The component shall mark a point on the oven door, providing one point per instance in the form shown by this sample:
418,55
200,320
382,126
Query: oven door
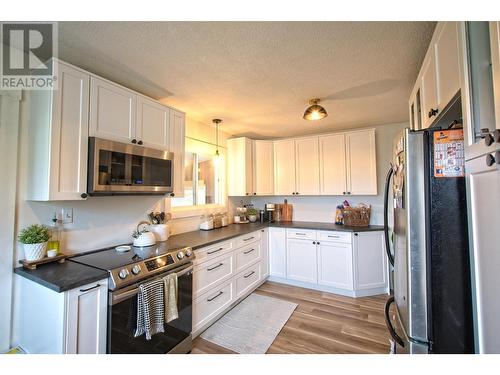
120,168
122,321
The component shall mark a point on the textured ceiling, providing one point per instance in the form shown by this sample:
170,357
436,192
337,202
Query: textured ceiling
259,76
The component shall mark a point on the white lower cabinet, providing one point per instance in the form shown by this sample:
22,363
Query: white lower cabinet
301,261
370,261
346,263
225,273
277,252
71,322
335,265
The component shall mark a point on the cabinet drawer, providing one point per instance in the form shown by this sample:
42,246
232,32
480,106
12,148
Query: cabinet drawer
247,279
210,304
206,253
247,255
246,239
303,234
345,237
208,274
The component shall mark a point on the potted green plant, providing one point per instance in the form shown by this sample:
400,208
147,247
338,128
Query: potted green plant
252,214
34,238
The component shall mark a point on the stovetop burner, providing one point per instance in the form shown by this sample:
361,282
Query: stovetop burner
138,263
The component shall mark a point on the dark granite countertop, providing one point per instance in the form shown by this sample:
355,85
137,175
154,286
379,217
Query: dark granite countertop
62,276
69,275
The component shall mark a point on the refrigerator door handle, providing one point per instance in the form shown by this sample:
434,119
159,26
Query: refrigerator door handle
386,216
389,325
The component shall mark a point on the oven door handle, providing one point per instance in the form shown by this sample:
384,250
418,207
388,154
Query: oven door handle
116,297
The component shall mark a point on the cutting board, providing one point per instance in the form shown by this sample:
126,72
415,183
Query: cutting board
286,211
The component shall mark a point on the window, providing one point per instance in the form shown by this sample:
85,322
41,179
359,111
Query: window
203,176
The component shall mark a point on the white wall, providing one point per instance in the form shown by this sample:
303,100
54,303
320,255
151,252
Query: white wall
322,209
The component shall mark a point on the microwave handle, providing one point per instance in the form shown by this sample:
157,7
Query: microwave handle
116,297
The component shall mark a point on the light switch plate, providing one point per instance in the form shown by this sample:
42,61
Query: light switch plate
67,215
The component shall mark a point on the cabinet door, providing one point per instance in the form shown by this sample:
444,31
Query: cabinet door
153,121
332,165
361,162
69,135
335,265
277,252
239,167
263,167
484,214
307,166
429,89
448,78
86,319
265,252
370,261
112,111
177,146
284,167
301,261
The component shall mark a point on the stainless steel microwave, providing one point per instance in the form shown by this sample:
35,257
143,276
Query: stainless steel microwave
117,168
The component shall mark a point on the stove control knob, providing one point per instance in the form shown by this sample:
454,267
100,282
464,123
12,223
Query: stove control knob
123,273
136,269
180,255
189,253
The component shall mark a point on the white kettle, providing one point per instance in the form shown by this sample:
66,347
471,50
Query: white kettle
143,237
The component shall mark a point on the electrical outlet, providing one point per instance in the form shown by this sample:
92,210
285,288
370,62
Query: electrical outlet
67,215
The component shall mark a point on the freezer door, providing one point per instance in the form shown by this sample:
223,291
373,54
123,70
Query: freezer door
410,273
483,192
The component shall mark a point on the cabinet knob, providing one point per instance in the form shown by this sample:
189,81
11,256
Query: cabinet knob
84,195
496,135
139,143
490,160
317,243
246,193
355,234
172,194
314,242
488,139
254,193
134,141
433,112
344,192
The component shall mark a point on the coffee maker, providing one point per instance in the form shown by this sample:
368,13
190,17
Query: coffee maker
269,212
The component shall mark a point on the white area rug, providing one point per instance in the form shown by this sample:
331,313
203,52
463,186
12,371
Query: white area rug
252,325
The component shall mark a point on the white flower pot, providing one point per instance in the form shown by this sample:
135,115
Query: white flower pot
35,251
252,218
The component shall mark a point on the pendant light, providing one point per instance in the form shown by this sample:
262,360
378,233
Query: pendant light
216,121
314,111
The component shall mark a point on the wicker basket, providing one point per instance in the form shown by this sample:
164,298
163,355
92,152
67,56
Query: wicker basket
357,216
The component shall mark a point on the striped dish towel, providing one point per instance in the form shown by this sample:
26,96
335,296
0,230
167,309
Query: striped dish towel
150,309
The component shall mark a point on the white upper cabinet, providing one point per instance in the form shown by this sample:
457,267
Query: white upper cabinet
178,146
59,138
239,167
361,162
263,167
153,120
307,166
284,167
429,89
448,76
112,111
332,159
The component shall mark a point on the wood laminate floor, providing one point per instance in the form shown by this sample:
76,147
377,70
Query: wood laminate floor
323,323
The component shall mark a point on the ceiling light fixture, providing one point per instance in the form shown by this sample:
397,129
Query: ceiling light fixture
216,121
314,111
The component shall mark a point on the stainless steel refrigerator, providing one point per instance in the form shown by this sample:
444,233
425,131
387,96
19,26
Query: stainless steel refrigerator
428,246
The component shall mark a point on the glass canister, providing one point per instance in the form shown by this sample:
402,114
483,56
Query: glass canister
56,229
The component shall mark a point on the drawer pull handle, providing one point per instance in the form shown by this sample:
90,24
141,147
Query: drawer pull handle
333,236
250,274
300,234
248,252
216,296
217,266
215,251
92,287
249,238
